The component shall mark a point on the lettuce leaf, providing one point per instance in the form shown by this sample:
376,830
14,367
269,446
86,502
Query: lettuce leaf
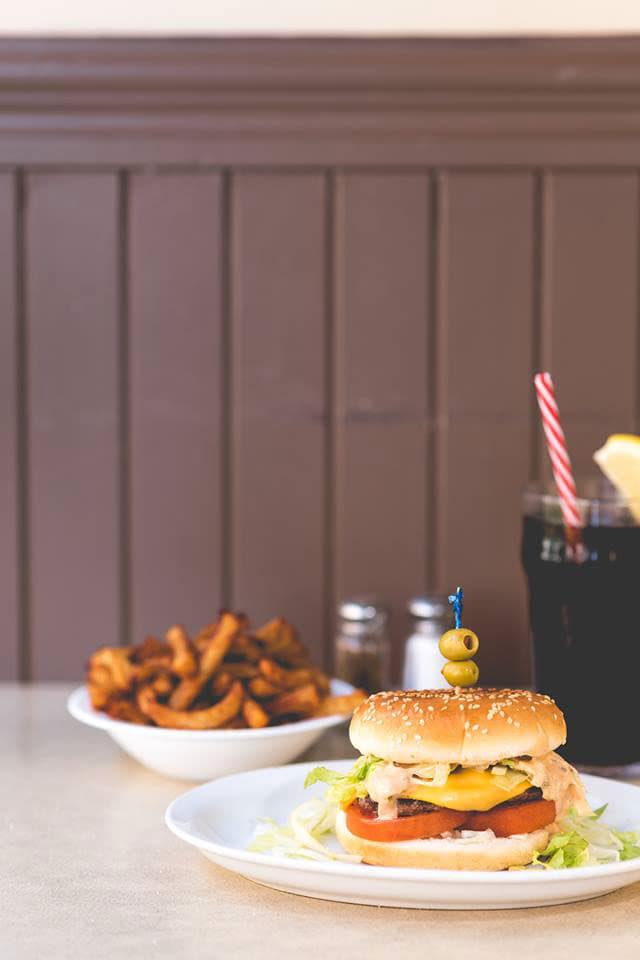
300,836
630,841
344,787
584,841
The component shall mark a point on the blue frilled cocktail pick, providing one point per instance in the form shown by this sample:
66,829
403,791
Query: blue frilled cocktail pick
456,600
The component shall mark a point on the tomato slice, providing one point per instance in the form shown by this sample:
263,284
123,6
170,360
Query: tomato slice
518,818
420,826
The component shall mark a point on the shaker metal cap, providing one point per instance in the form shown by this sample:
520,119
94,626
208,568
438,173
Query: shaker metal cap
428,607
362,609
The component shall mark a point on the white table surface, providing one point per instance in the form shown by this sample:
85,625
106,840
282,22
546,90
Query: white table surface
88,869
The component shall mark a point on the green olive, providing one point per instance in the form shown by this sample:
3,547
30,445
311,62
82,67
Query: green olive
461,674
459,644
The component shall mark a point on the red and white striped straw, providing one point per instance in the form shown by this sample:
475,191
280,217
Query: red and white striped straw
557,449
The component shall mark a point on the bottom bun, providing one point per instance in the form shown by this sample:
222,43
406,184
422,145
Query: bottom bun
481,852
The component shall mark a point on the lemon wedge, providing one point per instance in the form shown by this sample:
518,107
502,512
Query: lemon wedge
619,460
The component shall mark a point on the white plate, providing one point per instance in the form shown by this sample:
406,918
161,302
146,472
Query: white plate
219,819
205,754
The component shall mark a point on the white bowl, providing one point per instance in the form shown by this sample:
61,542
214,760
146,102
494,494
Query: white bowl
207,754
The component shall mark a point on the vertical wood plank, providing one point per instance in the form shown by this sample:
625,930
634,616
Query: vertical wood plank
72,309
589,335
382,388
176,393
9,552
485,365
279,403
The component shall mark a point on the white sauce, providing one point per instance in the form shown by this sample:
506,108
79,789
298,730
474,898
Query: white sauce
386,782
558,781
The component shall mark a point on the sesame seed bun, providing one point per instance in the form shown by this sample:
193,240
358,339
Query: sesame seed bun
471,727
481,853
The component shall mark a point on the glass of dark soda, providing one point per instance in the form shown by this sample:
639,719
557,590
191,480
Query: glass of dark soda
584,614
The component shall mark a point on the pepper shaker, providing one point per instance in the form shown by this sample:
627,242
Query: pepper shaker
362,645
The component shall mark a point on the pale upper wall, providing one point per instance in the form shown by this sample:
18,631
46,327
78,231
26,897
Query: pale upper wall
322,17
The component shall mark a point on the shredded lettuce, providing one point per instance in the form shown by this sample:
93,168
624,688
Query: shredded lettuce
507,778
300,836
584,841
344,787
434,774
310,821
512,764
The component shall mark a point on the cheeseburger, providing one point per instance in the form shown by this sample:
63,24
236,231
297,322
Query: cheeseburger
456,779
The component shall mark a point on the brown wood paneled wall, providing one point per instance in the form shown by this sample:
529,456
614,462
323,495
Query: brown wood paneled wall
269,312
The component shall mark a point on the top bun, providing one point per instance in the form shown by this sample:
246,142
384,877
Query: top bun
472,727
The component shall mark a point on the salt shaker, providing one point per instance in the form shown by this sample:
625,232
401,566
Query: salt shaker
362,643
430,616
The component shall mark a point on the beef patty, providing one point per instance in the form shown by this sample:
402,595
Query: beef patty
409,808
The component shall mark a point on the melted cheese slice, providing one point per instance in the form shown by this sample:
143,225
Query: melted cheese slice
467,790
